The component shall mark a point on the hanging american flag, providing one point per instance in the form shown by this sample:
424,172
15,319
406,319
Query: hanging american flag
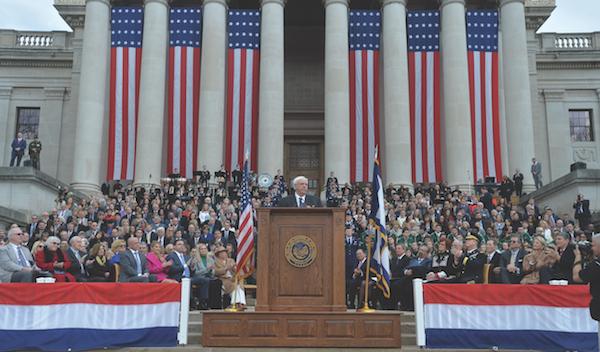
424,86
243,57
125,60
482,48
363,40
245,241
184,89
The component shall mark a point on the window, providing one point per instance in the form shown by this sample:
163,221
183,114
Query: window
28,121
580,122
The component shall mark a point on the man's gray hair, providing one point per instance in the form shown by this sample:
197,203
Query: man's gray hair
52,239
73,239
299,178
12,232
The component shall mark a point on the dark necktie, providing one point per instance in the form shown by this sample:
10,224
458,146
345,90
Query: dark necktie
301,201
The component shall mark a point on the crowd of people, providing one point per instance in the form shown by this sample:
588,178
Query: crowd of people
187,228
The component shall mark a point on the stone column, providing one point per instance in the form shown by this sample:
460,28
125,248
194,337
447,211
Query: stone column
456,130
337,90
270,121
559,141
395,94
211,134
517,95
50,130
89,134
153,73
8,135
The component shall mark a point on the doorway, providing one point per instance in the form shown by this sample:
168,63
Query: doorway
304,156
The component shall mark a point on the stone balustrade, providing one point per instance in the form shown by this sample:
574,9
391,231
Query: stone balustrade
570,41
12,39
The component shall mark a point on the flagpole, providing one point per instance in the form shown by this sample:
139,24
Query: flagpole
366,308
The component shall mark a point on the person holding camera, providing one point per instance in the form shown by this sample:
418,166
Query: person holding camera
588,271
582,211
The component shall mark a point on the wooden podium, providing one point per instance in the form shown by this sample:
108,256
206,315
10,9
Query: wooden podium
301,290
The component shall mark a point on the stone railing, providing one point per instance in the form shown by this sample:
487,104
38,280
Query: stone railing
32,40
570,41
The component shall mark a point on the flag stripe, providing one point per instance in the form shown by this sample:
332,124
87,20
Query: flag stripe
185,26
242,90
424,79
125,62
364,92
482,44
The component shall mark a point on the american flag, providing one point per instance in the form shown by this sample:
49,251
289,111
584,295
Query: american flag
185,25
243,57
245,241
125,59
424,86
482,47
364,33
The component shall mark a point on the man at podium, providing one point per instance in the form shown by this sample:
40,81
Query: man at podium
300,199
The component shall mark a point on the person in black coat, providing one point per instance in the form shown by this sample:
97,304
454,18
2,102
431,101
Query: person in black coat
494,259
518,180
511,265
18,146
486,199
582,212
470,266
75,255
397,267
351,245
563,269
300,199
359,274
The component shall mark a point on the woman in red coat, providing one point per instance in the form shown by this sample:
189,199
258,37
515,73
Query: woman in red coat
54,260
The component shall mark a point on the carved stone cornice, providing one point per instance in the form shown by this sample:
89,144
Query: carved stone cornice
37,64
567,65
54,93
5,92
554,94
75,21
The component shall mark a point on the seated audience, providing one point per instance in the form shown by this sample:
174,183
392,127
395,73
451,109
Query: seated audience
97,264
55,261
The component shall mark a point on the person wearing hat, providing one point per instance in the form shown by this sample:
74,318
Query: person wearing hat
470,265
225,270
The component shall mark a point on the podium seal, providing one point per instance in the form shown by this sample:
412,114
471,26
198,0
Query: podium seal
300,251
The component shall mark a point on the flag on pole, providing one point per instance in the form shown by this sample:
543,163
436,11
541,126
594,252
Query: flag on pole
125,63
245,241
185,26
482,48
381,254
363,42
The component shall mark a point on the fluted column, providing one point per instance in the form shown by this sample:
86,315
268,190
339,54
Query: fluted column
395,94
517,94
149,143
456,130
212,84
337,84
270,121
92,97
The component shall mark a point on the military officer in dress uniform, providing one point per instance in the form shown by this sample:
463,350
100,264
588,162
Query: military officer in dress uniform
35,148
351,245
470,265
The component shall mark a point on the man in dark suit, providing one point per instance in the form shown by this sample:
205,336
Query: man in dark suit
417,268
359,274
397,267
300,199
494,259
563,269
133,264
75,255
180,270
536,172
511,267
18,146
582,212
486,199
350,248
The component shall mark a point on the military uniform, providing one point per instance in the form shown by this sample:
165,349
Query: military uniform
35,148
471,267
